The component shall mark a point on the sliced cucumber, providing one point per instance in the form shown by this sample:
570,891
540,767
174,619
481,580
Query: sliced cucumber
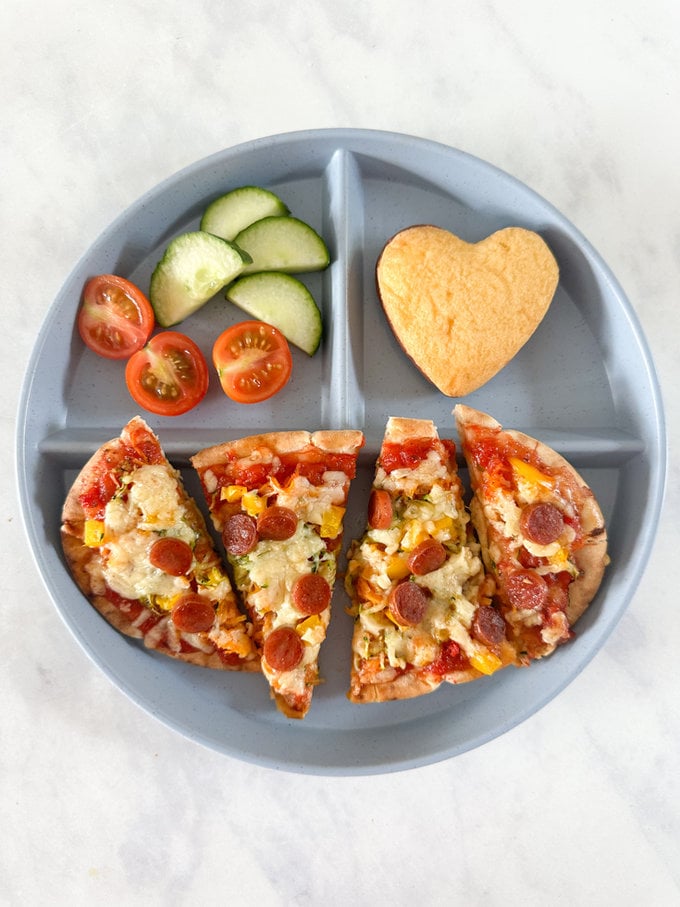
283,244
193,268
283,301
233,212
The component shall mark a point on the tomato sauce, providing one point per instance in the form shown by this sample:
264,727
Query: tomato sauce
491,454
97,495
132,610
406,455
121,460
488,448
451,658
311,466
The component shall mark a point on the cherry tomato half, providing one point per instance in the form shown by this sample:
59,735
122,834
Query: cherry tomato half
253,361
115,318
169,376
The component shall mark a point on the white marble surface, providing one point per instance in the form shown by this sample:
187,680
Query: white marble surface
103,805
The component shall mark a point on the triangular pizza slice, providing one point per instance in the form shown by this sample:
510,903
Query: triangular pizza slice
542,532
421,599
278,500
139,549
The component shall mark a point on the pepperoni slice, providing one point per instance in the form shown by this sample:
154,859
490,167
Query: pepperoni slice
172,556
426,557
283,649
311,593
193,614
380,509
239,534
541,523
526,589
408,603
488,626
277,523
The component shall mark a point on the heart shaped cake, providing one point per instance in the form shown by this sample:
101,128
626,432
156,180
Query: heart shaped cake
461,310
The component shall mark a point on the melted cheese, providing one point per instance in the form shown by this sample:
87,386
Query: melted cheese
128,571
148,508
452,587
266,575
405,481
503,514
274,566
447,586
311,502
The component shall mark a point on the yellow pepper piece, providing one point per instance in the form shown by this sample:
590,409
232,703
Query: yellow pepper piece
560,561
310,623
560,557
414,534
214,577
443,524
531,474
166,602
485,662
242,646
312,630
397,567
331,523
232,493
93,533
252,503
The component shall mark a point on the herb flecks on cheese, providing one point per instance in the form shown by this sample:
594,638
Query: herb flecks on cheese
266,575
268,572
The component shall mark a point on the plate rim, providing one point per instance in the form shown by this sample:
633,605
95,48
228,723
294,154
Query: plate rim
658,465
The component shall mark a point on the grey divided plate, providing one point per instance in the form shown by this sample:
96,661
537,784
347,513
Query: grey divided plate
584,383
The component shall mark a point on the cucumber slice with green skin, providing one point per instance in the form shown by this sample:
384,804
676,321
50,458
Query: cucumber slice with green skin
282,301
283,244
194,267
233,212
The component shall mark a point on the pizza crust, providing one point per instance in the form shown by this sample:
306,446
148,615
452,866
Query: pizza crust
404,686
279,443
292,707
400,430
72,516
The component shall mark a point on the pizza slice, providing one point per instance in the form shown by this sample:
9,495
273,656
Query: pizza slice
421,599
139,549
279,499
542,532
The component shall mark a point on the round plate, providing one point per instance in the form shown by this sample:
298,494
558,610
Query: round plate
584,384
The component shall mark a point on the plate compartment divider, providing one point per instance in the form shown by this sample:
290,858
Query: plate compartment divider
343,404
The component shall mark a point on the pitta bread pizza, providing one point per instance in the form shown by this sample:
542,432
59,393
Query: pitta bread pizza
278,500
139,549
421,599
542,532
